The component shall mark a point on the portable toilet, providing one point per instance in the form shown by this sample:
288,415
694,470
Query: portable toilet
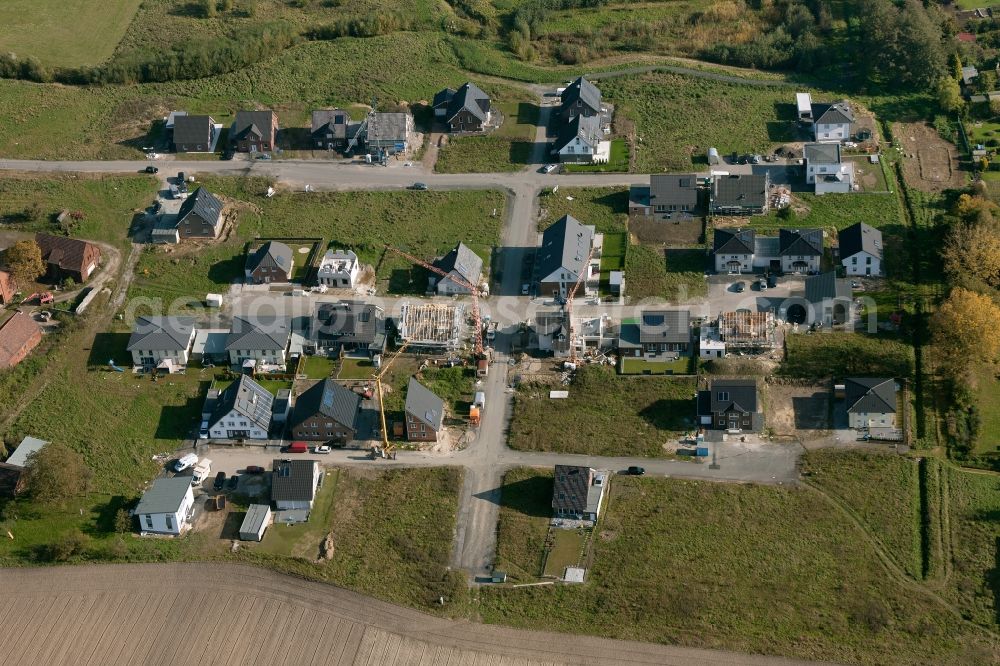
479,400
713,157
482,367
474,417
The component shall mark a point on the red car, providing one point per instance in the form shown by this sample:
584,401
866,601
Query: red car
297,447
254,469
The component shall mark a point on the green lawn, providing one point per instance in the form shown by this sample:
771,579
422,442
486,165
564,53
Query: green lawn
508,148
845,355
566,550
317,367
611,415
839,211
975,543
302,539
638,366
988,405
525,510
617,162
355,368
453,385
604,207
757,569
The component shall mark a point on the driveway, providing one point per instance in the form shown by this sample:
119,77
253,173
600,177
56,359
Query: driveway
722,297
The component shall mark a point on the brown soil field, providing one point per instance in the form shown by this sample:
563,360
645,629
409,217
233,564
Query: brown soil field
930,163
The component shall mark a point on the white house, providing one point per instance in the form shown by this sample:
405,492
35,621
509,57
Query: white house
338,269
870,402
734,250
563,257
294,483
461,265
161,341
263,339
791,251
242,411
800,250
861,250
579,139
826,170
166,507
833,122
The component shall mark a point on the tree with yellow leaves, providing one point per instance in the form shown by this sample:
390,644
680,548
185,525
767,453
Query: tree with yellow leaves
964,331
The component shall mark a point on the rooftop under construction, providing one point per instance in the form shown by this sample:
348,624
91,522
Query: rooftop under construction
431,325
747,330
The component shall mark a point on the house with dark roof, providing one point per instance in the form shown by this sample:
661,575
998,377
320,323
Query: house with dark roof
870,402
552,331
580,98
7,287
294,484
329,128
739,194
467,109
326,412
350,327
730,404
271,262
161,342
68,257
579,139
241,411
833,122
578,492
656,335
563,257
424,413
388,133
461,265
193,134
669,196
829,299
860,247
261,339
800,250
200,216
734,250
826,170
18,336
590,333
166,507
254,131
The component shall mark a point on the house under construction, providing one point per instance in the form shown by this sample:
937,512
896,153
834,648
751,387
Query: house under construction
747,331
431,326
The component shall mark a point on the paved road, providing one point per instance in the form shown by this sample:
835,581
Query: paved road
213,613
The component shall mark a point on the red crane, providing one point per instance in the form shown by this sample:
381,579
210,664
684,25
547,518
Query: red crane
473,289
584,273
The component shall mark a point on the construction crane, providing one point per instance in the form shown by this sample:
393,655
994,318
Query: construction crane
569,303
388,450
473,289
369,121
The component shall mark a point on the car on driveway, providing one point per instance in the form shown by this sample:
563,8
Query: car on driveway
322,449
739,287
220,481
152,169
419,186
549,168
772,281
254,469
762,284
525,289
635,470
234,481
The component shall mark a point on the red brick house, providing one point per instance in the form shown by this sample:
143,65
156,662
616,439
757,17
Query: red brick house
7,287
424,413
18,336
68,257
255,131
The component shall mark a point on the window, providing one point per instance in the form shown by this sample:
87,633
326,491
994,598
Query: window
149,522
723,396
722,421
170,522
854,260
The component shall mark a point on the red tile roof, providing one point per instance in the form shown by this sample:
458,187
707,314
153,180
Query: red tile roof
18,336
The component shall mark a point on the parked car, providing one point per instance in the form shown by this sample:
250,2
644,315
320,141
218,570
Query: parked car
635,470
739,287
265,156
297,447
234,481
254,469
203,430
549,168
525,289
419,186
185,461
772,281
762,284
152,169
755,159
220,481
322,449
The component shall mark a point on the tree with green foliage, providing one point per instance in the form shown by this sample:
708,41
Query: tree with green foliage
921,46
24,259
56,473
949,94
208,8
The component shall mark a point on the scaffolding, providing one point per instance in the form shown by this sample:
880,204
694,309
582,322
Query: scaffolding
747,330
431,325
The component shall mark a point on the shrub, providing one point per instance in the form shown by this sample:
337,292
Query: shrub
68,545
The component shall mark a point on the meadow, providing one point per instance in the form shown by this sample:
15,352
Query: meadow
845,355
508,148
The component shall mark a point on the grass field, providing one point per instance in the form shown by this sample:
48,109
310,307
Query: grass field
604,207
988,402
975,543
567,547
846,355
508,148
834,212
617,161
636,366
752,568
525,509
611,415
317,367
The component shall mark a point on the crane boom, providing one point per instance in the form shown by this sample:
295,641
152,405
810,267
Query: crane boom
569,302
387,448
473,290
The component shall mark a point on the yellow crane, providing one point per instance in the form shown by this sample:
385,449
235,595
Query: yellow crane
388,450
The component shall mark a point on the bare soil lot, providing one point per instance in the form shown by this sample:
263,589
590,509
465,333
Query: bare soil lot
930,163
799,411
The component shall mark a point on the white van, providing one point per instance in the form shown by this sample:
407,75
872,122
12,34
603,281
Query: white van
185,461
201,471
480,400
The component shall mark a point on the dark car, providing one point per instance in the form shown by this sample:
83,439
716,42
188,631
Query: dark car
739,287
234,481
772,281
635,470
152,169
254,469
419,186
220,481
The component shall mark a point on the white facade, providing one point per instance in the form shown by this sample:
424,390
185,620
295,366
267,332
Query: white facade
800,264
710,345
285,505
579,149
338,269
862,420
448,287
862,263
236,426
803,102
262,356
150,358
826,132
734,263
169,523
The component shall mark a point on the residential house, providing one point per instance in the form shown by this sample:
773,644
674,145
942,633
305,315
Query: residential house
861,249
464,110
826,170
326,412
656,335
829,299
746,331
579,140
193,134
870,402
563,257
18,336
552,331
730,404
255,523
596,333
580,98
209,346
739,194
460,266
294,483
389,133
7,288
578,492
167,506
259,340
670,196
271,262
424,413
200,216
833,122
241,411
254,131
329,128
281,407
28,446
161,342
68,257
338,269
348,327
169,122
734,250
800,250
12,477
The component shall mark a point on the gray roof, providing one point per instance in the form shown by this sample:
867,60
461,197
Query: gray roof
582,90
328,398
424,405
263,332
869,395
587,128
738,395
161,333
253,122
164,496
860,237
821,153
442,97
968,74
193,129
271,253
572,489
254,520
248,398
388,127
470,98
673,188
800,242
202,204
463,261
664,326
743,191
334,121
826,286
27,446
348,322
292,480
565,245
832,114
740,241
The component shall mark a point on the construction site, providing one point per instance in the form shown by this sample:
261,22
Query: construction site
747,332
431,327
